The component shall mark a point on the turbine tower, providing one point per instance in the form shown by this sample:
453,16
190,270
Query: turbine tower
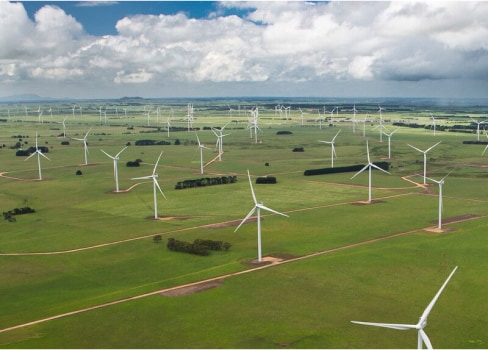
425,158
257,207
422,337
201,147
369,166
440,183
389,141
154,177
116,173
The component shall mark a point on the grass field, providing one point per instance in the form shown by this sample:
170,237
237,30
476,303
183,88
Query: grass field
341,259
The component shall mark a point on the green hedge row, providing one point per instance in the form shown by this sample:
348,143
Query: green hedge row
9,215
344,169
206,181
266,180
198,247
151,143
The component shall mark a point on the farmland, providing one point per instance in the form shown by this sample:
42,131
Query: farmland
336,257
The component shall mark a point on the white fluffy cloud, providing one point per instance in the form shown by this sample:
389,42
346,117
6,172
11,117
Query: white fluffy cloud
275,42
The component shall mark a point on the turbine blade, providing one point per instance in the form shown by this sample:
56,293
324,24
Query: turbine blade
415,148
252,190
271,210
434,300
32,155
486,147
108,155
159,188
399,326
428,149
42,154
156,165
377,167
142,178
360,171
118,154
247,217
367,151
447,175
428,178
425,339
336,135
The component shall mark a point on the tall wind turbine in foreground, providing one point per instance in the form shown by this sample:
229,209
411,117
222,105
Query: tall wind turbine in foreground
154,178
257,207
116,173
333,153
422,336
425,158
369,166
440,183
39,154
85,145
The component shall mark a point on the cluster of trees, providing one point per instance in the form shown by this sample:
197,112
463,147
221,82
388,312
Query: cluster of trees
475,142
266,180
469,129
135,163
206,181
152,143
9,215
30,150
198,247
298,149
344,169
284,133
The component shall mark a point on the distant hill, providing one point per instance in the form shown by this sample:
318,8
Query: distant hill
24,98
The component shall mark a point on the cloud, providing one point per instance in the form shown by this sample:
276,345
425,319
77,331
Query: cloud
278,41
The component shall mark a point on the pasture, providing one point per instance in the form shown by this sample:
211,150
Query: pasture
335,258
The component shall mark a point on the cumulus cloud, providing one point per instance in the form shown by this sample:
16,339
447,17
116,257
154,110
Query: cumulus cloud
271,41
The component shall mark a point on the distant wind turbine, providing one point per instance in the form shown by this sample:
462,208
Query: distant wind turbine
369,166
440,183
85,145
333,152
389,141
116,173
425,158
154,177
39,154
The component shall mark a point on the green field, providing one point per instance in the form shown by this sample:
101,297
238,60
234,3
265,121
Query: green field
342,259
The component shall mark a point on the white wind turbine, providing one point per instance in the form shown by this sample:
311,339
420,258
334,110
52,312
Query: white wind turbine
64,127
433,123
425,158
333,152
154,178
220,136
201,147
168,124
320,119
257,207
440,183
85,145
116,173
39,154
389,141
302,115
478,127
354,111
422,337
73,110
369,166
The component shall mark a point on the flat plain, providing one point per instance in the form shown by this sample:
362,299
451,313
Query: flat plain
84,271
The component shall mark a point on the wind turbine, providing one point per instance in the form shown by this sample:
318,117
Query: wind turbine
434,124
478,127
389,141
85,145
369,166
440,183
354,111
333,152
425,158
422,336
257,207
154,178
220,136
302,115
486,147
116,173
39,154
201,147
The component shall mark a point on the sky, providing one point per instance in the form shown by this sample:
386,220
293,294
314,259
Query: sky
157,49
